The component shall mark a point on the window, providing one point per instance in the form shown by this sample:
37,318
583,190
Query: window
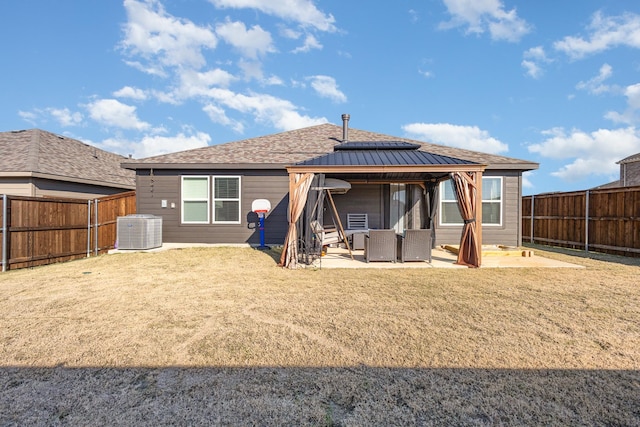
195,199
226,199
491,203
492,200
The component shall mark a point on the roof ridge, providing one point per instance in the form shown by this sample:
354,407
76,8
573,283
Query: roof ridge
33,161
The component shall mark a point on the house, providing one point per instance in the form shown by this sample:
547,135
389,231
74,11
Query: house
38,163
629,173
204,195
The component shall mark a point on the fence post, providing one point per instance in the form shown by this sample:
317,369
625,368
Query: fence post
88,228
5,233
586,223
532,199
95,231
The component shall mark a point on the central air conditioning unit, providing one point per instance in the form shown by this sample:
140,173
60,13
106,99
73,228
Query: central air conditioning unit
139,231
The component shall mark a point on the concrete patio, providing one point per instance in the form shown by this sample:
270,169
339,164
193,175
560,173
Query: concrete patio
441,258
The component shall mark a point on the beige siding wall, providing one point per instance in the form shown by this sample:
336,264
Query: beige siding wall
165,185
16,187
36,187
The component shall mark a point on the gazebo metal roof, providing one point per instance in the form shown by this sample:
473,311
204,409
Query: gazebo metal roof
392,156
393,160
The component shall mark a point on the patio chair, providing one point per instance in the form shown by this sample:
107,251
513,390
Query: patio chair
357,221
326,237
415,245
357,227
380,245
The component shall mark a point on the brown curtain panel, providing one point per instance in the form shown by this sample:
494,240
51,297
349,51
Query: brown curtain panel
464,185
299,185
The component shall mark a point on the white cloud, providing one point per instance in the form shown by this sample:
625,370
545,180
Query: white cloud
468,137
427,74
304,12
251,43
486,15
595,85
526,179
163,39
280,113
631,115
326,87
533,69
536,53
218,115
197,84
605,32
154,145
413,16
273,81
533,57
28,116
251,70
131,92
65,116
112,112
310,42
152,70
290,33
594,153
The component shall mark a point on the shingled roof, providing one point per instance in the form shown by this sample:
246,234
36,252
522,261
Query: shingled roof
288,148
39,153
630,159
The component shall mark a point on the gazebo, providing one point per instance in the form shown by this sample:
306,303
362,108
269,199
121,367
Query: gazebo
389,162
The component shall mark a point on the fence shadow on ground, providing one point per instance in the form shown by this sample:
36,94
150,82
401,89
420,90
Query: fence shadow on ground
581,253
358,395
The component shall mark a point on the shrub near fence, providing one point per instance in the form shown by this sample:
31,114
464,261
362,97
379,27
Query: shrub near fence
38,231
606,220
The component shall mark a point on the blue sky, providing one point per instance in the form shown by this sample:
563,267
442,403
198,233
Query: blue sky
555,82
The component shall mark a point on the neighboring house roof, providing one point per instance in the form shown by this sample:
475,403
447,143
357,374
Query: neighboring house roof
608,185
288,148
630,159
42,154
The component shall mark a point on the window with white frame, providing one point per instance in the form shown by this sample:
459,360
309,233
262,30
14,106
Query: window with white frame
491,202
195,199
226,199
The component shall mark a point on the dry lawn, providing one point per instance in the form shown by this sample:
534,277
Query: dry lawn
223,336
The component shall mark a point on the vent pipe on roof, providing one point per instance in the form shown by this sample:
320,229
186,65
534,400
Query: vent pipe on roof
345,127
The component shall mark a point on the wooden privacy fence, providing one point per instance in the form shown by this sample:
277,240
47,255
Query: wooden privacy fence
606,220
37,231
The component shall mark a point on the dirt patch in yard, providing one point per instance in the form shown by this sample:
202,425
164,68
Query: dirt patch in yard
224,336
